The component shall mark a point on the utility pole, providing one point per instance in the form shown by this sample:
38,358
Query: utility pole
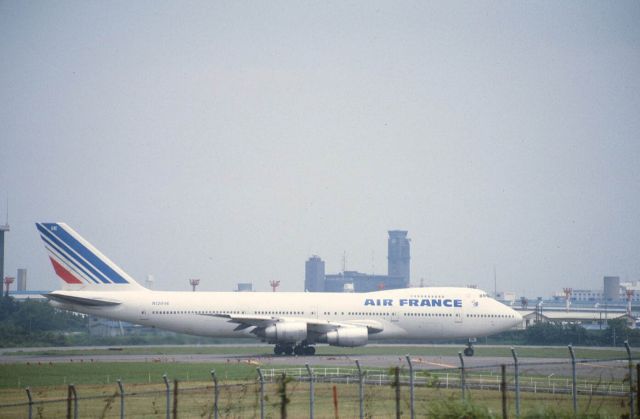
3,229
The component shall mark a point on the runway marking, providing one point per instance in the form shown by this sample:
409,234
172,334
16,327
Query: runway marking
420,361
601,366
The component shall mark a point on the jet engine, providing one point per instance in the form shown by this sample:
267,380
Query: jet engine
284,332
348,336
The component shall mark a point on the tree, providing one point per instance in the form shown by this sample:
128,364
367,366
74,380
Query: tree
36,322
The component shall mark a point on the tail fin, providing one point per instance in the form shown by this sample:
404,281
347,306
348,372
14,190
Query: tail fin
79,264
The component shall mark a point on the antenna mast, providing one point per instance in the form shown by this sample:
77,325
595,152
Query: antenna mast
8,280
194,283
495,282
3,229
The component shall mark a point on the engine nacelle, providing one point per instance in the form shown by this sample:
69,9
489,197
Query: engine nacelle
348,336
287,332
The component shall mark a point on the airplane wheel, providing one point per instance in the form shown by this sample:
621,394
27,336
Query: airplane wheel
288,350
468,351
299,350
278,350
309,350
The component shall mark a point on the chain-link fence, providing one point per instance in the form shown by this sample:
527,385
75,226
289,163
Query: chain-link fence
587,387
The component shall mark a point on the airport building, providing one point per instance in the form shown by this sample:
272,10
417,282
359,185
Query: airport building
589,319
353,281
398,271
314,276
22,279
613,292
244,287
28,295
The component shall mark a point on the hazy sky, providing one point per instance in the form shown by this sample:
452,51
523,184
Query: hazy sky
229,141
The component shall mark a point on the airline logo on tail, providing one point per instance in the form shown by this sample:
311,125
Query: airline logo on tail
75,260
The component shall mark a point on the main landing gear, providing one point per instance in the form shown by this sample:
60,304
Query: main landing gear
468,351
288,349
283,349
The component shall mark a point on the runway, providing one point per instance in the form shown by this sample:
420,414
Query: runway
537,366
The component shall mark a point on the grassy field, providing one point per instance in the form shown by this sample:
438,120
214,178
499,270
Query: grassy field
98,392
57,374
399,350
195,399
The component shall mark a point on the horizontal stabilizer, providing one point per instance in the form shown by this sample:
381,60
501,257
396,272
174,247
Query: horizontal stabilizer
82,301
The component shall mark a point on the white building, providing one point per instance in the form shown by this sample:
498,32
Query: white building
594,296
589,319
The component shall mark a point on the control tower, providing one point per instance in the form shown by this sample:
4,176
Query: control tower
314,276
399,255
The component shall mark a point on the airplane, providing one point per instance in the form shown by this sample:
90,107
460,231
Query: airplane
293,321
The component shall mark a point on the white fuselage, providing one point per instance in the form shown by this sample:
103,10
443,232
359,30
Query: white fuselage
411,313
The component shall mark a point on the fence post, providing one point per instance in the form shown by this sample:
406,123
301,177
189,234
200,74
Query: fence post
503,389
517,374
626,345
573,383
261,378
462,383
69,402
72,394
283,396
121,398
175,398
311,391
215,394
411,383
28,390
168,395
396,382
638,386
361,388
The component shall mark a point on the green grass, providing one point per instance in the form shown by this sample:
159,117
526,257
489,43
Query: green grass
96,382
96,385
151,350
57,374
195,400
397,350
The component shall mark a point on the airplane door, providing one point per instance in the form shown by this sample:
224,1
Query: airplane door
144,311
458,317
144,314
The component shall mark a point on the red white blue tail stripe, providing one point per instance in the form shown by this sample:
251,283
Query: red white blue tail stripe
76,261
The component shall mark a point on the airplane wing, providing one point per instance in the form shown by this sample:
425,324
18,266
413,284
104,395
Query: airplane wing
314,325
244,322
